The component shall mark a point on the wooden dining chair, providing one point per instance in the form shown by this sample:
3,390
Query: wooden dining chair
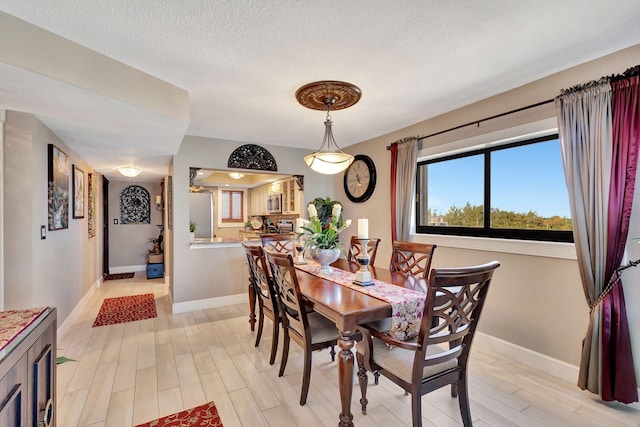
279,242
266,295
355,249
411,259
440,354
311,331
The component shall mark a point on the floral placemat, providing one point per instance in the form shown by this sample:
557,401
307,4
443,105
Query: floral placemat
12,322
407,306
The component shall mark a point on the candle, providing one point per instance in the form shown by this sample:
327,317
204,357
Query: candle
363,228
299,223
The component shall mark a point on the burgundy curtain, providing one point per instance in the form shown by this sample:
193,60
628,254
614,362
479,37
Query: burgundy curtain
618,371
394,177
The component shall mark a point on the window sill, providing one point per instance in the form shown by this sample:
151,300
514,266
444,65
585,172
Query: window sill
520,247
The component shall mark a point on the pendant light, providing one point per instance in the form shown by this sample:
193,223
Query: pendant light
329,158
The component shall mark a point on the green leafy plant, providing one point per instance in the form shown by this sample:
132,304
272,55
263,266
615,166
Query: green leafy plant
63,359
324,234
192,227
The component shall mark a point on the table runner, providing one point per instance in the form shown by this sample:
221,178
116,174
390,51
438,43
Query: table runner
407,306
12,322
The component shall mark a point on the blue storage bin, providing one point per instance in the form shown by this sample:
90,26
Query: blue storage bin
155,271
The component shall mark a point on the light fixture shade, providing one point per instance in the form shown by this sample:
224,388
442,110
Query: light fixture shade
236,175
129,171
328,163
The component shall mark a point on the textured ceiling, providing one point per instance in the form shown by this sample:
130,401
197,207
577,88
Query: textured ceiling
242,61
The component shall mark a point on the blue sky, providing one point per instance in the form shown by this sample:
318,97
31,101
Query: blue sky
523,179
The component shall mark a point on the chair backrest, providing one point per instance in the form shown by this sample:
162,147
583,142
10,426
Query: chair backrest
355,249
262,282
454,301
286,282
283,243
411,259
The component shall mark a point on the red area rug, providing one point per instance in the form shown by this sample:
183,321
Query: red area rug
126,309
201,416
119,276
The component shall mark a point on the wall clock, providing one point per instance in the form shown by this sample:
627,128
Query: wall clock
360,179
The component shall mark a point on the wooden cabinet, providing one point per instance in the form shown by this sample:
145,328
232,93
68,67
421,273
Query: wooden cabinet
290,197
258,201
27,375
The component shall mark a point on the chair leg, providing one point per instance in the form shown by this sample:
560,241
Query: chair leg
362,378
376,375
463,401
285,353
260,326
274,342
306,376
333,353
454,390
416,408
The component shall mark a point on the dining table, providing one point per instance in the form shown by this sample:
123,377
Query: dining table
347,308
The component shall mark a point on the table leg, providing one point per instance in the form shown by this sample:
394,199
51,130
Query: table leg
345,379
252,306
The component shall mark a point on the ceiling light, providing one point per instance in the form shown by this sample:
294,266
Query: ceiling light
236,175
129,171
327,95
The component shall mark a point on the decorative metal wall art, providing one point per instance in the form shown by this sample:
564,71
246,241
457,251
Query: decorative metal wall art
135,205
251,156
58,202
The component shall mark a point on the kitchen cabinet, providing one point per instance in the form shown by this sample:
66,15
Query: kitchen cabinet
27,375
290,197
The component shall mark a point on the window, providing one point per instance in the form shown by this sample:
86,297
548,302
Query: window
231,206
514,191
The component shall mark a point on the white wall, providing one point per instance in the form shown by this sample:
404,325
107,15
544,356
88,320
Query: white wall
187,280
59,270
536,300
129,243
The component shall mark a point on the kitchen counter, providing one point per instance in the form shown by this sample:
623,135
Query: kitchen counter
219,242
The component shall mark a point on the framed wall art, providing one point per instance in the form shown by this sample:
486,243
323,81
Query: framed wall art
91,205
77,178
58,188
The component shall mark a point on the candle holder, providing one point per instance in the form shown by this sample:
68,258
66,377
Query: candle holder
299,259
363,276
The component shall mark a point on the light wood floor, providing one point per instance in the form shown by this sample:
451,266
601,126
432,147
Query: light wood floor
135,372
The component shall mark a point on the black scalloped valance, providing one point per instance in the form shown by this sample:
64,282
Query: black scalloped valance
251,156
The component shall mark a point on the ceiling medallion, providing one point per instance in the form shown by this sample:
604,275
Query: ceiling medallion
328,95
314,95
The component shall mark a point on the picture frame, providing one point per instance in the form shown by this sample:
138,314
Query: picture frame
58,188
77,179
91,205
274,203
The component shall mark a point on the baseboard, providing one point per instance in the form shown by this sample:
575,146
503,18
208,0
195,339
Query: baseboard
554,367
79,308
182,307
127,269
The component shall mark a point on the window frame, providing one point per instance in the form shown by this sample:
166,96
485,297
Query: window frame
231,220
486,231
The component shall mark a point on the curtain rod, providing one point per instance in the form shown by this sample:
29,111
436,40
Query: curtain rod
517,110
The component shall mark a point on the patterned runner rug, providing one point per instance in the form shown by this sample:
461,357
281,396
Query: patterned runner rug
201,416
126,309
119,276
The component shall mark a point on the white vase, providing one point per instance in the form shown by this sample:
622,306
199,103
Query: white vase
325,257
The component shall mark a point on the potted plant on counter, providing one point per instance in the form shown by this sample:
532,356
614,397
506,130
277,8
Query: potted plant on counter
192,231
